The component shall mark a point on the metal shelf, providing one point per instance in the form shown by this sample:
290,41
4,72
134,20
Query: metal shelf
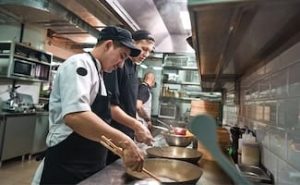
178,98
183,83
179,68
31,59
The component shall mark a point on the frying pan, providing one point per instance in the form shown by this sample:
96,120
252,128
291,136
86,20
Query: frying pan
169,171
179,153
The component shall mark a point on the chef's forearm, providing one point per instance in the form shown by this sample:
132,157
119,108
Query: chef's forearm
142,113
121,117
89,125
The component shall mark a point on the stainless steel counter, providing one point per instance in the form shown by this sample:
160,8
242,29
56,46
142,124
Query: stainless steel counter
3,114
114,174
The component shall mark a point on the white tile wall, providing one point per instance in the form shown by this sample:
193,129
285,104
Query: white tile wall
270,103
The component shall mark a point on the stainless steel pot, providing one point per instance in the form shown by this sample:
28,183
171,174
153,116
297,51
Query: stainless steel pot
179,153
170,171
177,140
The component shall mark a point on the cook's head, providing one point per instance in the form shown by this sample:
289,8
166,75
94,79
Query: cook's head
117,45
145,41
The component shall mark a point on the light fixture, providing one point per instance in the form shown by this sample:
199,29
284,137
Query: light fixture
157,68
144,66
185,20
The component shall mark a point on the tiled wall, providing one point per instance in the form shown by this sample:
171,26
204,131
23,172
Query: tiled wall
270,104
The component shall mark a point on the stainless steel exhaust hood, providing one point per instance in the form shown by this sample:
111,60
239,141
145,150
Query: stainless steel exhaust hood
162,19
76,20
234,37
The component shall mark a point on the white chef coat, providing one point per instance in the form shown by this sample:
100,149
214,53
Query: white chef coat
71,93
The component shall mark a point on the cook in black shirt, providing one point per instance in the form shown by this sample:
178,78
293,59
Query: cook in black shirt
123,84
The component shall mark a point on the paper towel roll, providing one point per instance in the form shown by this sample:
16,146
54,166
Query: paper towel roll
250,154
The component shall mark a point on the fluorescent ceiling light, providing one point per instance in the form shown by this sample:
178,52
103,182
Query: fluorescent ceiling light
185,20
144,66
157,68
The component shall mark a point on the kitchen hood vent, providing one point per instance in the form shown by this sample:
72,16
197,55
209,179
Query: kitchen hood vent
77,20
234,37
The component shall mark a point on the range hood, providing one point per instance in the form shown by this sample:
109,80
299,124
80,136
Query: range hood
162,19
234,37
78,21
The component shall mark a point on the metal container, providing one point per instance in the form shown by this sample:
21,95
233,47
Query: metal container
177,140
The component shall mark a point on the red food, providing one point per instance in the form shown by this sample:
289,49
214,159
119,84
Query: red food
179,131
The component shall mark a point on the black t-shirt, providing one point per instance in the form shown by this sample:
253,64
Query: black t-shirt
143,93
123,85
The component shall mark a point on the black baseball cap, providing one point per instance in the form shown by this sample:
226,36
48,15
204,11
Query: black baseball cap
121,35
141,35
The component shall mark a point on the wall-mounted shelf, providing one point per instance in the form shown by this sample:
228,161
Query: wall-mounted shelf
179,68
22,62
188,99
181,83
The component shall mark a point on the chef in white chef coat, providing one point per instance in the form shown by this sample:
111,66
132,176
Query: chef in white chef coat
79,113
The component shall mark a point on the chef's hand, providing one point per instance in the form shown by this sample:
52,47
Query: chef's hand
142,134
149,125
132,156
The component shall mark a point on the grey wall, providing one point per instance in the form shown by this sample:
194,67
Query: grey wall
270,104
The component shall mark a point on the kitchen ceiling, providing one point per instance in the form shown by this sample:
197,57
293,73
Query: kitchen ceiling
80,21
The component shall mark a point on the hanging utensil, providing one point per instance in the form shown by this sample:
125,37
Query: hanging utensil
119,151
204,128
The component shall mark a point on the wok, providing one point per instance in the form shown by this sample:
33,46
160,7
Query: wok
169,171
179,153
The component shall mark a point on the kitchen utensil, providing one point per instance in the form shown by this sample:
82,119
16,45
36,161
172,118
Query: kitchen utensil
170,171
179,153
119,151
204,128
165,124
175,130
177,140
160,128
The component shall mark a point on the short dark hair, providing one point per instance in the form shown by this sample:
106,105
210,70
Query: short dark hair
142,35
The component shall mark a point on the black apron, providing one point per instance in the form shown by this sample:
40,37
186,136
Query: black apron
76,158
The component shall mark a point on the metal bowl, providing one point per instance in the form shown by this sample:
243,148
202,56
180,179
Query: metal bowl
177,140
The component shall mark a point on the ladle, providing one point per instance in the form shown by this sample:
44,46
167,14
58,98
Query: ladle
204,128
